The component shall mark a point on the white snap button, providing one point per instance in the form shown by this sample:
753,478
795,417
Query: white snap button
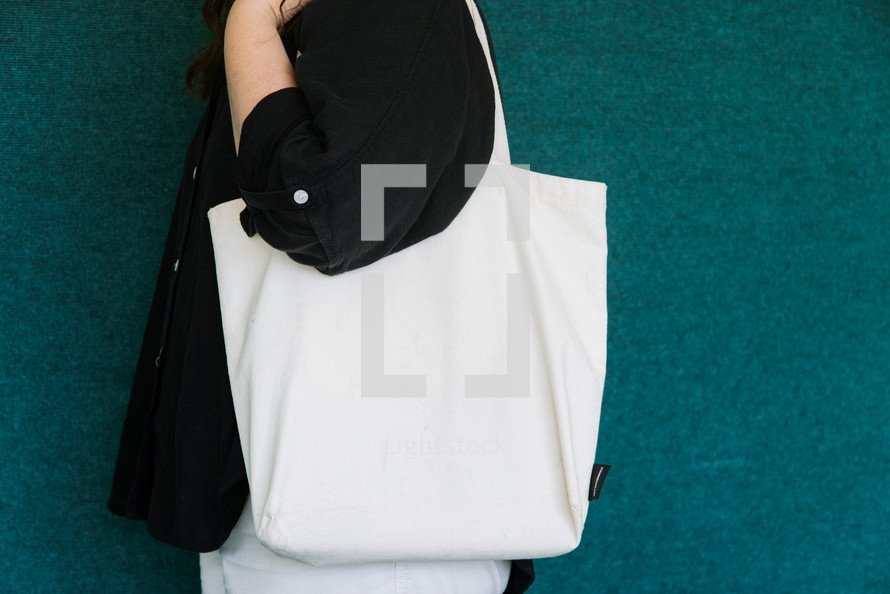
301,196
176,265
195,172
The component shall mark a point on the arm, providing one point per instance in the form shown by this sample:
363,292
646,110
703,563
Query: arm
380,82
256,63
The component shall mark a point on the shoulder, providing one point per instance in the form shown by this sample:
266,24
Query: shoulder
379,67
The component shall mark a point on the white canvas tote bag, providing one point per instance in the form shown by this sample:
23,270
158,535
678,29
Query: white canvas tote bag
440,404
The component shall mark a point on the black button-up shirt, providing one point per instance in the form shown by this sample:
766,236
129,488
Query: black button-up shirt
379,82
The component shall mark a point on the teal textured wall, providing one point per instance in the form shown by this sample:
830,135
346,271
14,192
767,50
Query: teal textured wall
746,146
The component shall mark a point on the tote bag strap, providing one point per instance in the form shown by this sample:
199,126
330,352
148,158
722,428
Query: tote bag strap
501,151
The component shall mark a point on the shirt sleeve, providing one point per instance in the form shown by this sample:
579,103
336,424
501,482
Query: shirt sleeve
380,82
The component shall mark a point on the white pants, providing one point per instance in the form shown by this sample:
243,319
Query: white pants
244,565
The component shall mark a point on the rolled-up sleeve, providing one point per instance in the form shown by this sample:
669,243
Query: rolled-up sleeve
380,82
280,219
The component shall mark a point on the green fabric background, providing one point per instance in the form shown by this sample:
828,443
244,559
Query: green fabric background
746,146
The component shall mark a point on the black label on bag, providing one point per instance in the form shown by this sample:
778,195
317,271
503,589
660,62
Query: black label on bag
596,481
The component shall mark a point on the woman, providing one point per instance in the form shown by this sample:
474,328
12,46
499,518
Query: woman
303,97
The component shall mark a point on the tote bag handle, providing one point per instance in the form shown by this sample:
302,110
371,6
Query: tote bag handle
501,151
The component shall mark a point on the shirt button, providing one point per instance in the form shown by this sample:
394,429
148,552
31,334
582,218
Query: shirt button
301,196
195,172
176,265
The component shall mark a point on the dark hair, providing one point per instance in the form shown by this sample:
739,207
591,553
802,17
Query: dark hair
199,77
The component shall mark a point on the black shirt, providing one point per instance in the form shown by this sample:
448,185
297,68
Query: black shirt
409,85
